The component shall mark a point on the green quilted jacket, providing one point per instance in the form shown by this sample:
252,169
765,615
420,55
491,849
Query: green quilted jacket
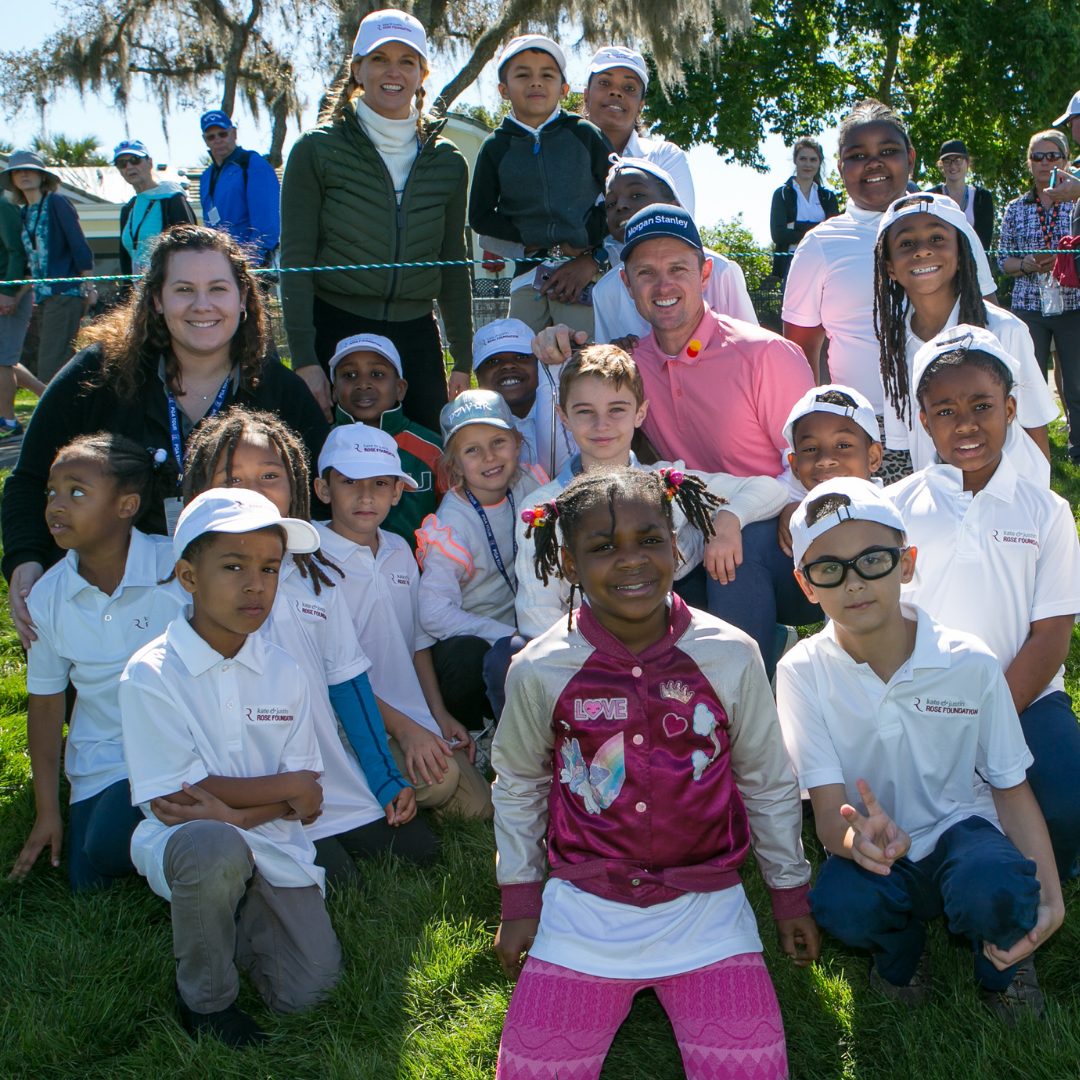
338,207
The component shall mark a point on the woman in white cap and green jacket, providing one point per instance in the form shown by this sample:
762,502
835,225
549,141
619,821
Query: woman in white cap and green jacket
614,97
376,182
55,248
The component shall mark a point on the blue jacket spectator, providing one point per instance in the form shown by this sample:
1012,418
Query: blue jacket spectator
240,192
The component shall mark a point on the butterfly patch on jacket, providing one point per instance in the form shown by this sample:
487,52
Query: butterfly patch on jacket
599,783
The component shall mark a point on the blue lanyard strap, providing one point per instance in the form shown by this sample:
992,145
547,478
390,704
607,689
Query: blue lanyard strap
174,420
495,553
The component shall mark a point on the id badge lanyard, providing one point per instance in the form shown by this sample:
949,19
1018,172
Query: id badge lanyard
495,553
174,420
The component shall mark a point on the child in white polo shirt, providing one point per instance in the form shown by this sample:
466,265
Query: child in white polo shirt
223,760
361,478
905,735
503,361
91,611
998,556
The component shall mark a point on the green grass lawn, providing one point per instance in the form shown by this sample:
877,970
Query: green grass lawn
88,990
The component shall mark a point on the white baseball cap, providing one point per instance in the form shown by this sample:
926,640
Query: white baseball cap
1071,111
941,206
810,402
474,407
238,510
619,164
532,41
501,336
387,25
375,343
613,56
962,336
864,501
360,452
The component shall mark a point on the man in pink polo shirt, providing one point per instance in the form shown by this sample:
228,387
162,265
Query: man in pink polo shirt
719,393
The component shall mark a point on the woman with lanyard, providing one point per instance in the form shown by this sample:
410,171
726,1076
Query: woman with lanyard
1031,229
799,203
157,205
191,340
376,182
55,248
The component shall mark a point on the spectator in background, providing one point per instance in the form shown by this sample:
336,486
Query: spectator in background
378,181
1071,116
954,161
799,203
15,306
55,247
240,193
614,97
1032,222
156,205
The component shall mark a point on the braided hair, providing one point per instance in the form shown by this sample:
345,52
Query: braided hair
213,443
890,309
611,486
143,471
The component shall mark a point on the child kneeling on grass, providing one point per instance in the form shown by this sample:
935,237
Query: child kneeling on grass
642,744
885,700
223,760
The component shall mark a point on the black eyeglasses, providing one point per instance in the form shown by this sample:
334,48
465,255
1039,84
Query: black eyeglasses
873,563
1047,155
124,162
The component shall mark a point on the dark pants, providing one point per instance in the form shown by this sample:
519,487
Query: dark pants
1064,331
417,340
975,877
99,837
472,675
414,842
763,593
1053,737
693,589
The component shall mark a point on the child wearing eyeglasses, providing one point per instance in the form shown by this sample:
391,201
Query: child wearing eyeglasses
905,734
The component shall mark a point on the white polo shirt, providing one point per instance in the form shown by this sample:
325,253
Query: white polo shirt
87,637
992,563
616,316
1035,404
188,713
382,593
930,741
317,632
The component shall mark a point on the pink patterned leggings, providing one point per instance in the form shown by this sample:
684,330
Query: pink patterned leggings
727,1022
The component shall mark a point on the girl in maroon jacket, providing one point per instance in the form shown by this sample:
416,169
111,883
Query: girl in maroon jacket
638,753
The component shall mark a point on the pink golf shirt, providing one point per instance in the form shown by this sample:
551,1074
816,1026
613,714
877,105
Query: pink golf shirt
720,405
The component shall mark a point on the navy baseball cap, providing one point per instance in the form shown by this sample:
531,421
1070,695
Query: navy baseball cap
215,118
130,148
660,219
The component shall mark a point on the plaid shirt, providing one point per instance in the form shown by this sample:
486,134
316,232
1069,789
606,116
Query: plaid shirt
1021,230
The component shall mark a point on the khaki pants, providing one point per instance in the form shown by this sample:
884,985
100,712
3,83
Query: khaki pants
538,311
462,791
226,915
60,318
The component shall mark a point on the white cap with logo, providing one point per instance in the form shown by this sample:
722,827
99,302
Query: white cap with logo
474,407
532,41
1071,111
238,510
381,27
968,338
375,343
360,452
501,336
614,56
857,500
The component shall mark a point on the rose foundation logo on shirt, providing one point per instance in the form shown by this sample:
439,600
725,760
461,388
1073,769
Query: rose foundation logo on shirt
269,714
309,609
586,709
945,706
1014,536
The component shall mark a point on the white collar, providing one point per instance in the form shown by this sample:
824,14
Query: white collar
140,567
928,652
197,655
864,217
535,130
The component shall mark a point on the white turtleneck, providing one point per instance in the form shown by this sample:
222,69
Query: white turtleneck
396,141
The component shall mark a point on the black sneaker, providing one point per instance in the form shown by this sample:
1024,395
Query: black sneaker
911,994
232,1026
10,428
1021,998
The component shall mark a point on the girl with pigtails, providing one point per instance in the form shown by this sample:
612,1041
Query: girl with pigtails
376,182
638,757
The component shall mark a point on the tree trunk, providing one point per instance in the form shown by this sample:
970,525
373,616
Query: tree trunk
279,112
888,70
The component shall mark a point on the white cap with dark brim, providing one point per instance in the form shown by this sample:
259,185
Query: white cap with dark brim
861,501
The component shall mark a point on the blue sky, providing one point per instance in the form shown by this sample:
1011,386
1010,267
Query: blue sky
721,190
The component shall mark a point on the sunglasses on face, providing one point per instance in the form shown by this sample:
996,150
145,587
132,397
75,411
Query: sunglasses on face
1047,155
124,162
213,137
873,563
